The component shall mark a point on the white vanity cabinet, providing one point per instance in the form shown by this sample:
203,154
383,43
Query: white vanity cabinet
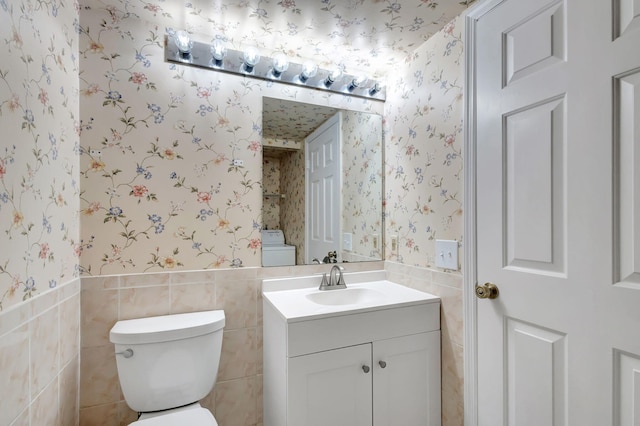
362,367
389,382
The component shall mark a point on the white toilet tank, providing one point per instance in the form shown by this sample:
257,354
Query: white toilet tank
175,358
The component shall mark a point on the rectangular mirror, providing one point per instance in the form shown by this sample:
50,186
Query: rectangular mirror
322,184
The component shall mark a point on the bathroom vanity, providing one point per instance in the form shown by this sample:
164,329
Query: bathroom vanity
365,355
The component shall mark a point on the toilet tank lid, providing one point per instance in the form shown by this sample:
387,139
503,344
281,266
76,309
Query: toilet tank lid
166,328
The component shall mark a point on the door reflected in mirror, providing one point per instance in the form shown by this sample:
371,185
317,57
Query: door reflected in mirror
312,216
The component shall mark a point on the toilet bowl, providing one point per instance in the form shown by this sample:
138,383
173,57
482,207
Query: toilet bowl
166,364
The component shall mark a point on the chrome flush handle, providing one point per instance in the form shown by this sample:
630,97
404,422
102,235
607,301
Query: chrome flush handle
127,353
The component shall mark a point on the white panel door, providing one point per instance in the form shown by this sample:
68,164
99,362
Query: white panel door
331,388
323,190
554,116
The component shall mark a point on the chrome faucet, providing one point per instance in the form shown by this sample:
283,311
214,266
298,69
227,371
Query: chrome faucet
336,279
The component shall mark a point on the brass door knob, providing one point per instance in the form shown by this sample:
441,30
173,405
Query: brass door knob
487,291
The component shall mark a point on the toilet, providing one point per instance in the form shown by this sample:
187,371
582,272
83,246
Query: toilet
166,364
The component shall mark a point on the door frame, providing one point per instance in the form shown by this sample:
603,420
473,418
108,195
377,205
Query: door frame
470,315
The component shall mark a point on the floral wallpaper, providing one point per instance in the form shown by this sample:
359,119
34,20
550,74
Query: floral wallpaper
293,203
371,36
159,189
155,187
423,158
39,118
271,190
362,171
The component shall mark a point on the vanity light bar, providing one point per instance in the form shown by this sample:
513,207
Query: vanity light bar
234,62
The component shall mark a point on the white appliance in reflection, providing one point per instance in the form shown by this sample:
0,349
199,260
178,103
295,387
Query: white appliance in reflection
274,251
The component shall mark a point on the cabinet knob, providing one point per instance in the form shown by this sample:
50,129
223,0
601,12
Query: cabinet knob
382,364
365,368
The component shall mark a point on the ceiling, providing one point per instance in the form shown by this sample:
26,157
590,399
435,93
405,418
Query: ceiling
293,121
369,36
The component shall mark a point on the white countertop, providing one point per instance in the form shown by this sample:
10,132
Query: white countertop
293,297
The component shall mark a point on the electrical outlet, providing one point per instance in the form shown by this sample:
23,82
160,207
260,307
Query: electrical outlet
236,162
375,241
394,243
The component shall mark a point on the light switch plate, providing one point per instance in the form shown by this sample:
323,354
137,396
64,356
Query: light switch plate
347,241
447,254
394,244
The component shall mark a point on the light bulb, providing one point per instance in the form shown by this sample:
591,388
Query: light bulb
280,64
218,51
357,81
333,76
309,69
251,57
183,42
375,88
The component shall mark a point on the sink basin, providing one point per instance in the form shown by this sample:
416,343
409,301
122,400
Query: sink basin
346,296
298,298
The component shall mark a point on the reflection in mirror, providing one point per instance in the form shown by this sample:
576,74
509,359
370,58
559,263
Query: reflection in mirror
286,125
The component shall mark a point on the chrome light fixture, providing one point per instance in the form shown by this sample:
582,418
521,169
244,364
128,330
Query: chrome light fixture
218,52
251,57
183,43
309,69
280,64
217,56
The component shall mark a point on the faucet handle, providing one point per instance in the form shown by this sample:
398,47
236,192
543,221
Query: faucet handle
324,283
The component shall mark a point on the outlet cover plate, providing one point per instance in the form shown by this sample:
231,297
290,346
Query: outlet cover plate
447,254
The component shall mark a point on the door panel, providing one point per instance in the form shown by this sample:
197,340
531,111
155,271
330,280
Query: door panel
534,193
626,16
537,375
627,179
534,43
627,388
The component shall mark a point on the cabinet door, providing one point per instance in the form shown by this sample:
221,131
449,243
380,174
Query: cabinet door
406,381
331,388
